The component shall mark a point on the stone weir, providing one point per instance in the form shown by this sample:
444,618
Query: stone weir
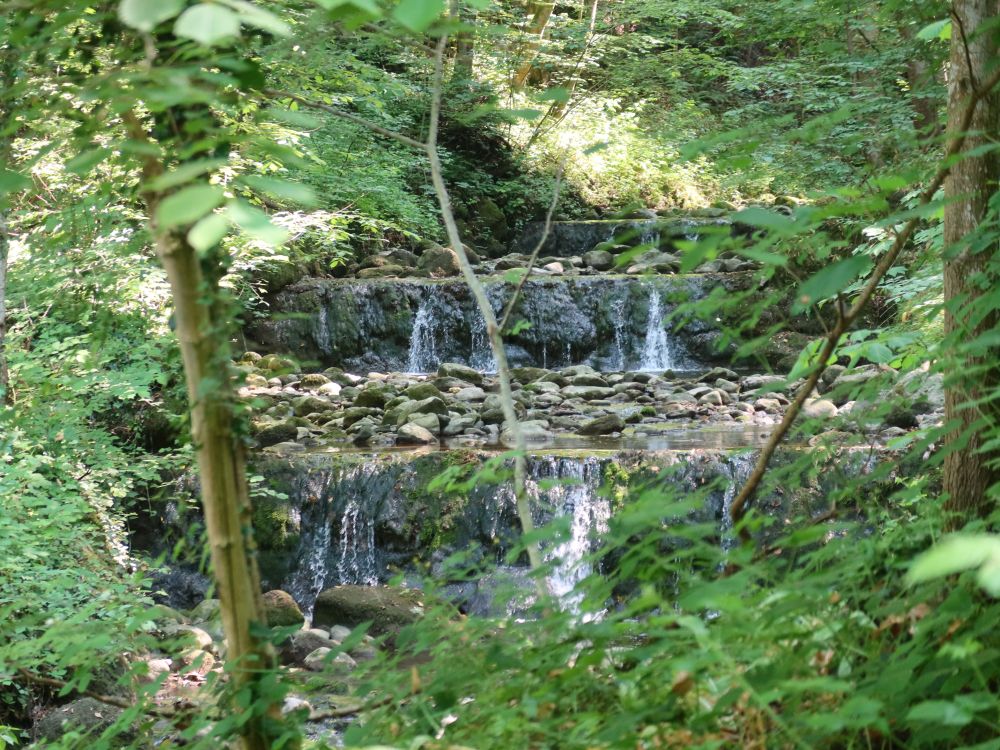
365,518
413,325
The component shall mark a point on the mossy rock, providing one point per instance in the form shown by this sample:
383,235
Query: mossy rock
280,609
84,715
387,608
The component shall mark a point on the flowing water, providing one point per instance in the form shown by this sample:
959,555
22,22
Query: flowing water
423,351
656,349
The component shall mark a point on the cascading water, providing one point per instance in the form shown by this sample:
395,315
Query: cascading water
574,495
656,349
356,547
481,357
737,469
423,353
618,323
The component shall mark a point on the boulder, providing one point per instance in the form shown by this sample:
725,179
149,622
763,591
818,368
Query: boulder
602,425
587,392
319,660
419,391
471,394
819,408
599,260
302,643
387,608
528,374
453,370
209,609
414,434
280,432
375,396
280,609
439,261
84,715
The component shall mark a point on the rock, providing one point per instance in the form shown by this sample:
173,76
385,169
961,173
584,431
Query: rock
599,260
414,434
209,609
554,268
276,433
534,431
375,396
716,373
528,374
439,261
305,405
302,643
390,270
453,370
313,381
430,422
490,216
756,382
471,394
340,665
727,385
602,425
387,608
280,609
339,633
419,391
254,380
329,389
293,705
923,389
155,669
768,405
819,408
432,405
587,392
589,379
84,715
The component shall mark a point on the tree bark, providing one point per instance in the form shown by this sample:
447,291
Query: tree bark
225,494
970,272
540,13
8,397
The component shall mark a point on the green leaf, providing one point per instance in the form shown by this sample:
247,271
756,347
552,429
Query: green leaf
83,163
208,24
256,223
254,15
285,189
145,15
832,280
12,181
185,173
417,15
188,205
940,712
937,30
877,352
760,217
955,554
208,232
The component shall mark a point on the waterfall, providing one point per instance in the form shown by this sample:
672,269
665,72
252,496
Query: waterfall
618,324
575,496
356,546
423,352
737,470
481,354
656,354
650,235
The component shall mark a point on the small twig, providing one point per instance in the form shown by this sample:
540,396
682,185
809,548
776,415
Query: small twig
110,700
538,248
738,508
340,713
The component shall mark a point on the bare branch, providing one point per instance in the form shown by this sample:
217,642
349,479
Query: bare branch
110,700
738,508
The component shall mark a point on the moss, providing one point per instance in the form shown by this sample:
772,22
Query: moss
274,526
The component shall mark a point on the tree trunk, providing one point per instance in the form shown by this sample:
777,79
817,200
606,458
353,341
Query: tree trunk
225,496
970,272
541,12
8,397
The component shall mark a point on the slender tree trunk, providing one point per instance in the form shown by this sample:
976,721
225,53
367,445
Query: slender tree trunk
541,11
225,494
8,397
970,271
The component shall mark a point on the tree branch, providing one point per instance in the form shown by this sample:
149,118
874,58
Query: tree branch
738,508
110,700
538,248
